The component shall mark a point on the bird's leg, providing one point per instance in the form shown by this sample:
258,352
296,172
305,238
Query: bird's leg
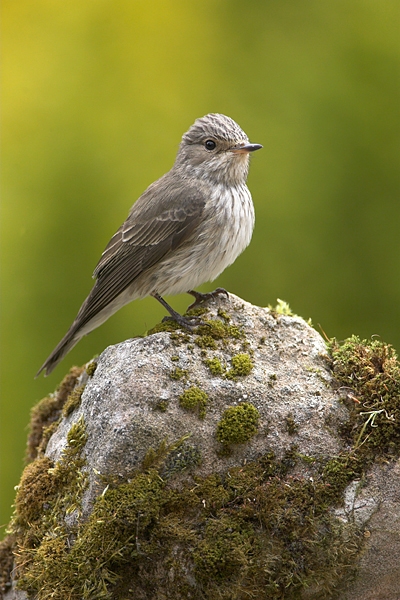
185,322
200,298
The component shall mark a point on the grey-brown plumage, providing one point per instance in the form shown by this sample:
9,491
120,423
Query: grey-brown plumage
184,230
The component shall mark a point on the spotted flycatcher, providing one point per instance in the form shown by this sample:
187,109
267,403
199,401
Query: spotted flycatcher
184,230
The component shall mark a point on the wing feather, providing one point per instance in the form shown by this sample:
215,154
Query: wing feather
154,228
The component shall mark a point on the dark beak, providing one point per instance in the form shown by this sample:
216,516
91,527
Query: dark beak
242,148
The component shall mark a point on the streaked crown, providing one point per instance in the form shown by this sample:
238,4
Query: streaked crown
215,125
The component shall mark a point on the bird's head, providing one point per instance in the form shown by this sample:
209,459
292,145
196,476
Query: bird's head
215,148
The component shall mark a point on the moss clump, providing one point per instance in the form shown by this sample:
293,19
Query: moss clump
194,399
226,548
35,491
219,330
46,494
215,366
338,472
281,308
154,459
368,372
63,571
73,401
162,405
291,426
186,456
91,368
178,373
256,532
46,414
224,315
168,325
206,341
198,311
241,366
272,379
238,424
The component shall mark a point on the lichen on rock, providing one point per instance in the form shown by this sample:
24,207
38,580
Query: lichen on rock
130,496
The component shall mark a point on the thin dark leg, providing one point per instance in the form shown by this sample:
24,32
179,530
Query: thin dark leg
200,298
185,322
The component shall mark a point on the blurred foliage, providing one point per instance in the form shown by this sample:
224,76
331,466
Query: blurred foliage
96,96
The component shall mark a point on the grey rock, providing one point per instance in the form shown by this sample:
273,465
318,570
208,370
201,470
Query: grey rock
290,377
14,594
375,505
291,386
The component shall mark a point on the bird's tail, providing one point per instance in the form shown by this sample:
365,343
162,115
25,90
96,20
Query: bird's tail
69,340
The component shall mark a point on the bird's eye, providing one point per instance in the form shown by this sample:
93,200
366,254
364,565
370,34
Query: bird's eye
210,144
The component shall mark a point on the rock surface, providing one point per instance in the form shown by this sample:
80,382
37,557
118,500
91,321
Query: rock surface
142,397
374,504
289,379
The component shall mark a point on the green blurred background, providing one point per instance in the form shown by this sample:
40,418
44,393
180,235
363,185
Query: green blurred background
96,96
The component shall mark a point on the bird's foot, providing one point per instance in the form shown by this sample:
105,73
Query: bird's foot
200,298
190,323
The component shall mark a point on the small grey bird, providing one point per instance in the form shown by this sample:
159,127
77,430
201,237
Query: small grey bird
184,230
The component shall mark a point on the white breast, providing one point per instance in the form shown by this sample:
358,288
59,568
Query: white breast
234,224
225,231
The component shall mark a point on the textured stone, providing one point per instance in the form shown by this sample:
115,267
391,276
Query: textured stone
290,377
274,362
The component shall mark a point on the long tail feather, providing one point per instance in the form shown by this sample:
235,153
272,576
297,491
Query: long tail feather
67,343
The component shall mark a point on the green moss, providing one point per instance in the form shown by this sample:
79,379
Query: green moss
256,532
215,366
91,368
180,337
238,424
169,325
186,456
291,426
154,459
219,330
368,372
194,399
178,373
259,531
61,571
46,494
35,491
175,358
282,308
337,473
241,366
198,311
162,405
306,458
224,315
226,548
206,341
47,413
73,400
272,379
46,435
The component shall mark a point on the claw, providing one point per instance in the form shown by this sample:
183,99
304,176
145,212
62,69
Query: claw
189,323
200,298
